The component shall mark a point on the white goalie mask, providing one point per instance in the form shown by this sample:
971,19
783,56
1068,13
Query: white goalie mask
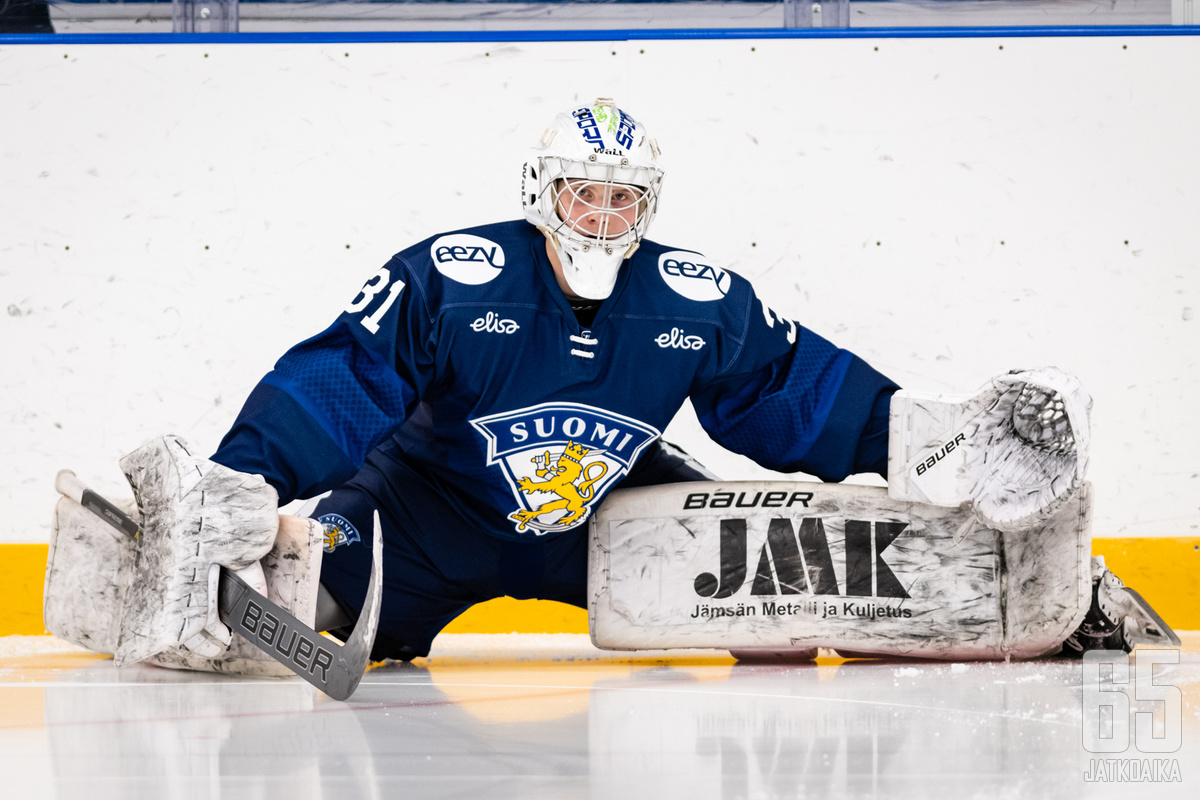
592,187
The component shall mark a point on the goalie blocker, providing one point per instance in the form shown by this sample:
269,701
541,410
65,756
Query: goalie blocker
92,566
98,562
776,567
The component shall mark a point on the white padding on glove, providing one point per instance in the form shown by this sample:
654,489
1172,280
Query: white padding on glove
291,573
87,574
196,516
1016,450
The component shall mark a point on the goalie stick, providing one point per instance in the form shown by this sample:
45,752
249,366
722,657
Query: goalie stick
334,670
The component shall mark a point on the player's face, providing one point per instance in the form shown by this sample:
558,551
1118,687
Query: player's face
599,209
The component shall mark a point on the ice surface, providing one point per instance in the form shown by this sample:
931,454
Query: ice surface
523,716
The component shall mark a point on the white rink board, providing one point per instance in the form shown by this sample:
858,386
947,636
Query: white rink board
176,216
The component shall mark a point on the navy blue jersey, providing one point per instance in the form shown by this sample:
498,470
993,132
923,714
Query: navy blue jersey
465,350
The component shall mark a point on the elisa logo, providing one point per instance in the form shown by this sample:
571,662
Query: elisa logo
679,340
492,323
467,258
689,276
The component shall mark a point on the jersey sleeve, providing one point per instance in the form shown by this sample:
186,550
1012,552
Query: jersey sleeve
794,402
309,423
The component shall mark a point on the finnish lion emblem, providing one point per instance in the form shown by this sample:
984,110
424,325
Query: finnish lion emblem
568,478
559,459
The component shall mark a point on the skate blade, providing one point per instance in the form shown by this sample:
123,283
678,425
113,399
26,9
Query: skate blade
1145,626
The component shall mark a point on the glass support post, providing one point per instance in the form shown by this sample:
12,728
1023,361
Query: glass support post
204,16
816,13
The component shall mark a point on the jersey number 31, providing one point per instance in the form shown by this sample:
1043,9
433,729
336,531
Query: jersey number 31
371,288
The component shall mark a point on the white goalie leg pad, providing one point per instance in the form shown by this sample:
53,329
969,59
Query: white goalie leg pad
87,573
290,577
776,567
196,515
1016,450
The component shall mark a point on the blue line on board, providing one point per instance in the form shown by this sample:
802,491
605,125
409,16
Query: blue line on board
373,37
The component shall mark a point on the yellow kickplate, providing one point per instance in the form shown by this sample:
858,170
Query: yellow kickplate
1165,571
22,576
506,615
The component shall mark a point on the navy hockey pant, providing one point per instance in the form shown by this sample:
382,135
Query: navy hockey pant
436,564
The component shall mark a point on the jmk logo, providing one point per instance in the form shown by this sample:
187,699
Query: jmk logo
800,562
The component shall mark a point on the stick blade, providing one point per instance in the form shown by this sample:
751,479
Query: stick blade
356,652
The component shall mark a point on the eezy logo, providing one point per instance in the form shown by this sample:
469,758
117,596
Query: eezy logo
689,275
467,258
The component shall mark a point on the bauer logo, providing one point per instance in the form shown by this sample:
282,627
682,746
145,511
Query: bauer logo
690,275
560,458
945,450
338,531
466,258
257,623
